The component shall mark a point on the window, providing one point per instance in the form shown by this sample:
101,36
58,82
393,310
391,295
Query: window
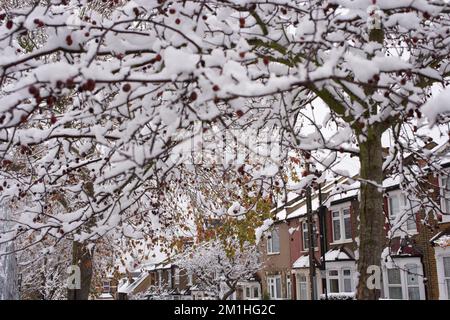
106,286
399,204
445,198
274,284
190,279
251,291
347,280
333,281
160,278
342,229
169,278
255,292
177,276
302,287
288,287
402,281
273,242
446,261
394,284
340,280
306,237
412,282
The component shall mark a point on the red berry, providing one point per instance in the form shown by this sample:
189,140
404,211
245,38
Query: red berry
158,57
126,87
33,90
193,96
266,60
69,40
50,101
242,55
215,87
9,24
239,113
242,22
90,85
70,83
172,11
177,21
53,119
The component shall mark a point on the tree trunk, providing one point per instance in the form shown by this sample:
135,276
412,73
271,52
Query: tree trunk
82,258
229,292
371,215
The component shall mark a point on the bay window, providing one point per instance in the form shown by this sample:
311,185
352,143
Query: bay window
333,281
394,284
403,280
340,280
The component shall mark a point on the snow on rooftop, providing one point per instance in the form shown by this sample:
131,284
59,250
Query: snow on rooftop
336,254
302,262
443,241
105,296
126,287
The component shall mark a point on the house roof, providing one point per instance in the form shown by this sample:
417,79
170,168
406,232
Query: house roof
441,239
127,287
302,262
339,254
404,247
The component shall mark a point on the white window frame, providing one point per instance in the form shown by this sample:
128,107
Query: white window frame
402,264
302,278
288,287
440,254
177,277
340,266
270,241
251,288
404,207
341,218
445,196
190,278
106,286
272,284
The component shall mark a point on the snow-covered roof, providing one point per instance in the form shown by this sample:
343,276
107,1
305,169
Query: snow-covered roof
126,287
391,181
442,239
337,255
302,262
105,296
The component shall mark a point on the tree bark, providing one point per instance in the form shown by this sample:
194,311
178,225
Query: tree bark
371,215
82,258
